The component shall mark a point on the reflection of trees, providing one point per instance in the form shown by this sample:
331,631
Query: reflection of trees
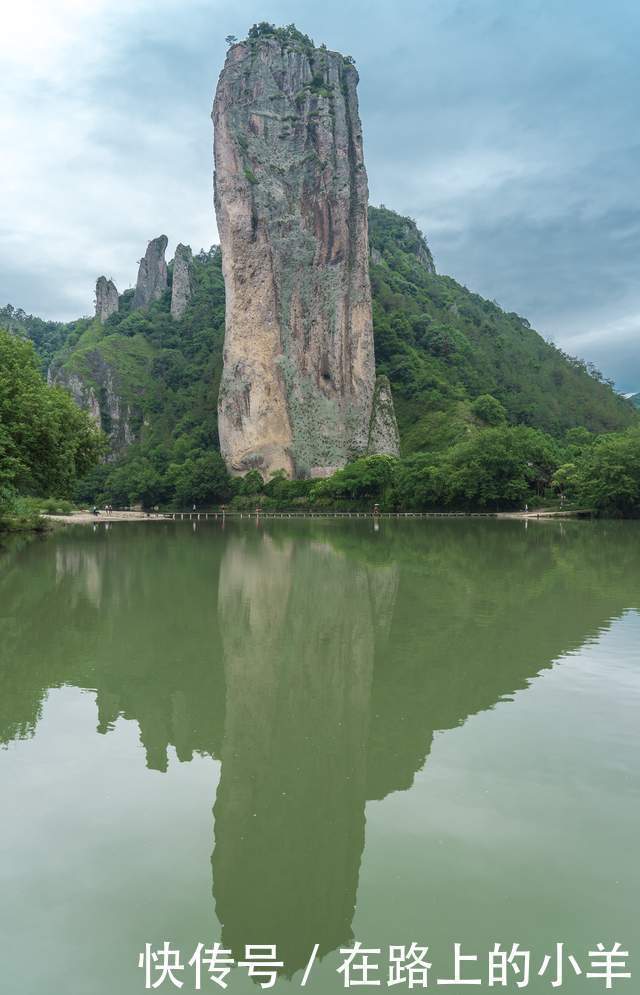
148,644
481,611
314,660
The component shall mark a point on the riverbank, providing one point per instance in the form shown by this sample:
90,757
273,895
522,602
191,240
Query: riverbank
546,513
87,517
19,526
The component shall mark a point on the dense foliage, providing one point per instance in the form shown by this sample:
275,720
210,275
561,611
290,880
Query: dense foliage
442,347
46,441
285,35
48,337
172,394
490,414
605,474
502,468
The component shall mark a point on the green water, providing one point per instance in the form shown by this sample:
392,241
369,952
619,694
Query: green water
305,733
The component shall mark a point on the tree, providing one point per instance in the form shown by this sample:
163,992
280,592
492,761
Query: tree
369,477
146,486
489,410
502,465
496,467
46,441
609,475
203,479
251,484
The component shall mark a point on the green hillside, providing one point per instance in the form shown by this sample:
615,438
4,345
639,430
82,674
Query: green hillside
458,364
443,346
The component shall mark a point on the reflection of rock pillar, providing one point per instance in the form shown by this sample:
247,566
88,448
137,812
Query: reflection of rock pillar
298,631
108,709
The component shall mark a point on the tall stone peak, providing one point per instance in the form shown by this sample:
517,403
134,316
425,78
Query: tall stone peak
291,201
152,273
181,286
107,300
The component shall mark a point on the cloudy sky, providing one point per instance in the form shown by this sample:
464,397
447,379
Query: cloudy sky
508,130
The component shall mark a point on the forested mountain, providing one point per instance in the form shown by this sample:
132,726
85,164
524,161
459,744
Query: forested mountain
457,363
443,346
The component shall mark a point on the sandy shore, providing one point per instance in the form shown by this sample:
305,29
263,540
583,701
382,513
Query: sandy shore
87,517
542,513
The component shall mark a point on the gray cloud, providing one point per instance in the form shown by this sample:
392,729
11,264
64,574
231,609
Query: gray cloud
507,131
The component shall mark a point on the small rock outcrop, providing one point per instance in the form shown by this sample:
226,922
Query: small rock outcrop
386,227
98,390
152,274
291,202
181,286
384,437
422,252
107,301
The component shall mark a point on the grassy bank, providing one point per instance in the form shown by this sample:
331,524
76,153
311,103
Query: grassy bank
25,514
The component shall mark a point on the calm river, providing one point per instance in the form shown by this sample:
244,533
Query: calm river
309,734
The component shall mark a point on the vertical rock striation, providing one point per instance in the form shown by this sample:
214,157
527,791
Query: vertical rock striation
98,388
291,202
383,431
181,285
152,274
107,301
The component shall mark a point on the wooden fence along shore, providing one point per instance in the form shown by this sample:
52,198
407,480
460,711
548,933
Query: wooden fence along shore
259,513
85,517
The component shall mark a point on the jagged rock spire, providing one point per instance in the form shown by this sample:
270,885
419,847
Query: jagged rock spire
291,200
181,287
107,301
152,273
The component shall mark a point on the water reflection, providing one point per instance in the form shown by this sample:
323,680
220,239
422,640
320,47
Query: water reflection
314,661
301,623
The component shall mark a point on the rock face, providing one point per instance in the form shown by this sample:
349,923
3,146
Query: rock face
107,302
152,274
291,202
99,393
414,242
181,286
383,431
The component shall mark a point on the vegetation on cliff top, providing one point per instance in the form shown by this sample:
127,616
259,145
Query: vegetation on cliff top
289,36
